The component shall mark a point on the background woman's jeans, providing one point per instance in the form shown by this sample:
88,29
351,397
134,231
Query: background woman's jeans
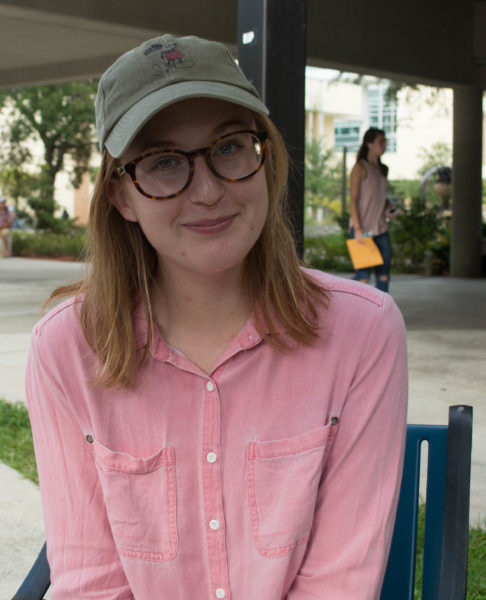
384,246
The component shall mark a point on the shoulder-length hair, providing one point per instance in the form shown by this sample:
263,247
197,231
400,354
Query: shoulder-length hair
368,138
122,266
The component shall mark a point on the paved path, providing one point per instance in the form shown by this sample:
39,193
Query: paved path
446,334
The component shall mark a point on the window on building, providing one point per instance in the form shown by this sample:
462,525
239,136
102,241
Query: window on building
382,113
347,134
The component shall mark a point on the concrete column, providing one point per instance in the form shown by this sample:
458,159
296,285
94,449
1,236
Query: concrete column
466,228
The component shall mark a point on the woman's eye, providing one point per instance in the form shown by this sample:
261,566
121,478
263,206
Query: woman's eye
227,148
165,162
162,164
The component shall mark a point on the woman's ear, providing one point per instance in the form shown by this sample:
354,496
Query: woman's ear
118,197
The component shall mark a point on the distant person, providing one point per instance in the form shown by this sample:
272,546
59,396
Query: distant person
211,420
7,217
370,206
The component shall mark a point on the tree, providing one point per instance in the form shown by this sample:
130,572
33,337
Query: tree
61,117
322,176
438,155
322,171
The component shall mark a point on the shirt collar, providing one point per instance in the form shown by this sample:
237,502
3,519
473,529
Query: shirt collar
249,337
246,339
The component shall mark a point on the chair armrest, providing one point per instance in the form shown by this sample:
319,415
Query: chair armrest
456,504
37,581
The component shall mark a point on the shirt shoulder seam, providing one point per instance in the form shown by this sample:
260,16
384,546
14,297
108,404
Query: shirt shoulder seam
54,313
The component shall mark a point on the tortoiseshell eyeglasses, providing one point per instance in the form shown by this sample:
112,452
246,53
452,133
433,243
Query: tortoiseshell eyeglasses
163,174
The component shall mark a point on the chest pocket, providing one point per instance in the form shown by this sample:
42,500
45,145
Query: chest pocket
282,479
140,498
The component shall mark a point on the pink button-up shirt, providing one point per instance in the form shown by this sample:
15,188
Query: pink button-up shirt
274,477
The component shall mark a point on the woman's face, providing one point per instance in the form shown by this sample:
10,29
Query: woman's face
378,146
211,226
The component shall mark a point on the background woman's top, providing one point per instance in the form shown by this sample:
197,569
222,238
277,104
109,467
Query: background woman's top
371,201
276,476
7,216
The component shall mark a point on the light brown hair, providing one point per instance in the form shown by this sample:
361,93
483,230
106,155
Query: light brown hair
122,265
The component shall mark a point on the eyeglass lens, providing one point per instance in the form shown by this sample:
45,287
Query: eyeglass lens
234,157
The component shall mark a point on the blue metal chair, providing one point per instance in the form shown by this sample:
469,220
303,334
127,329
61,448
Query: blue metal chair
38,580
446,512
446,518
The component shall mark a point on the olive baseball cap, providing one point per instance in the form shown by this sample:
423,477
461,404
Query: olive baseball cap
160,72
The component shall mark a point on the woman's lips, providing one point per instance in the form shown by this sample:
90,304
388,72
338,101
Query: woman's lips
210,225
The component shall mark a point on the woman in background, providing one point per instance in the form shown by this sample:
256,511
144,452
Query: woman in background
369,205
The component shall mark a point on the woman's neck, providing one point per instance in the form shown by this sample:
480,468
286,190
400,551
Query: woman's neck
373,159
200,315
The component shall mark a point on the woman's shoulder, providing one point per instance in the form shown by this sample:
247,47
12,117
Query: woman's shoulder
359,169
60,323
349,299
356,312
338,285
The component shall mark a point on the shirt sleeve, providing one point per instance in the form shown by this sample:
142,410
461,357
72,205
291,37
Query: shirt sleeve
358,494
82,556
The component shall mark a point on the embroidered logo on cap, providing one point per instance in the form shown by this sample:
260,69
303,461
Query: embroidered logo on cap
171,58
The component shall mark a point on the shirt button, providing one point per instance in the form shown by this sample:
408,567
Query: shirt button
209,386
334,421
211,457
220,593
214,525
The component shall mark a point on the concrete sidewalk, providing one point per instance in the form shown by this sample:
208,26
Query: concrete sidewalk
446,334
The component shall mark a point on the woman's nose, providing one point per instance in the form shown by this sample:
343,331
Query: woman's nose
206,188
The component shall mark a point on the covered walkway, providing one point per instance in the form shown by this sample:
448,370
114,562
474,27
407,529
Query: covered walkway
438,42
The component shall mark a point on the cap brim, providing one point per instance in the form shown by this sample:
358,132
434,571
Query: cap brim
125,130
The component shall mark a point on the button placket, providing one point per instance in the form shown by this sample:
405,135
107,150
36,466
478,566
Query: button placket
213,502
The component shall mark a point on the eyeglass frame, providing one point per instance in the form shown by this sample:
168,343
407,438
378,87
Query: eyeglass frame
130,167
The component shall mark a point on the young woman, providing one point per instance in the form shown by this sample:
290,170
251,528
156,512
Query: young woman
369,205
210,419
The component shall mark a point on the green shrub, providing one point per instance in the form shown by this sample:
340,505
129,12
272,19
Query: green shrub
329,210
54,245
327,253
413,232
44,218
438,252
343,219
404,188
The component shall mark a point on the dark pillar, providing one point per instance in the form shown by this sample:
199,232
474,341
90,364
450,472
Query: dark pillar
272,53
466,228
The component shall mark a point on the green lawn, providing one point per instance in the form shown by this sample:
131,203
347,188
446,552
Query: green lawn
16,447
476,572
16,450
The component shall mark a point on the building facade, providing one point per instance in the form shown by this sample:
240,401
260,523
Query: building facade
340,107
